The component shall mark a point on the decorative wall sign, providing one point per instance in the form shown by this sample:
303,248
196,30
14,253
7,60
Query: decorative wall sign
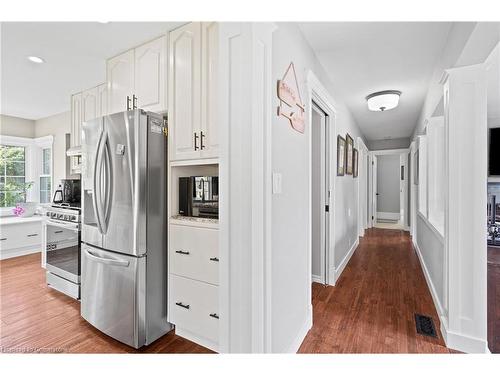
349,152
355,163
340,155
291,105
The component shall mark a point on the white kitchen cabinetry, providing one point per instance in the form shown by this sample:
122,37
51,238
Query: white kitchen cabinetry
120,77
137,78
85,106
192,91
20,236
76,119
193,280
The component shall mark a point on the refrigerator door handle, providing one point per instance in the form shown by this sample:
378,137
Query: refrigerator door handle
108,183
96,184
111,262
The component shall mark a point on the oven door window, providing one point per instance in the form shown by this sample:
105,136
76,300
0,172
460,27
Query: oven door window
63,251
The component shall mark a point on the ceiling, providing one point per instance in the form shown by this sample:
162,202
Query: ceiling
366,57
75,54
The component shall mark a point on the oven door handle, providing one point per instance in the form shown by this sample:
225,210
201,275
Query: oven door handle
112,262
72,226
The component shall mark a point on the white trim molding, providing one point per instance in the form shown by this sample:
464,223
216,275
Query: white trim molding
388,215
319,94
465,109
245,86
301,334
345,261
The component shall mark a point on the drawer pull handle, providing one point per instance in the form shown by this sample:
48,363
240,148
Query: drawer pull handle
3,239
215,316
180,304
182,252
58,231
33,235
214,259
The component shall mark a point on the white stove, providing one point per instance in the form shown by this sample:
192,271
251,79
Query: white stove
62,233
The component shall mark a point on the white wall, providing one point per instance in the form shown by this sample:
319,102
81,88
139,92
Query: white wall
388,183
57,125
290,209
17,127
431,250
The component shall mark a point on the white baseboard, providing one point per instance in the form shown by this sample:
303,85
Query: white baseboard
317,279
12,253
301,335
388,215
466,344
197,339
452,340
343,264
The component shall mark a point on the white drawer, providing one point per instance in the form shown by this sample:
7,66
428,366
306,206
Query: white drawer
194,307
194,253
15,236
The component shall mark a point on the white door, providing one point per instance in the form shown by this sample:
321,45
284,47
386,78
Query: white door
185,92
76,119
374,189
209,137
120,77
150,75
320,195
90,104
102,100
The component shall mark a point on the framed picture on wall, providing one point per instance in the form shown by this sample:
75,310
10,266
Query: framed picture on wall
348,154
340,156
355,163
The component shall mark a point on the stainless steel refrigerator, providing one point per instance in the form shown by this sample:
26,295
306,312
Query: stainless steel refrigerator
124,243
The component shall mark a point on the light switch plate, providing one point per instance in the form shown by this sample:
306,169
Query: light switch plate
276,183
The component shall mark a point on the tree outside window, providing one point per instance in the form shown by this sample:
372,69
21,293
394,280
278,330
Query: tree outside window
13,185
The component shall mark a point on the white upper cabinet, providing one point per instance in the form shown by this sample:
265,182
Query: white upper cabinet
102,100
193,91
185,92
138,79
90,104
150,75
76,119
120,76
209,130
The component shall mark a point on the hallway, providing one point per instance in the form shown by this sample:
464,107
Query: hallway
372,307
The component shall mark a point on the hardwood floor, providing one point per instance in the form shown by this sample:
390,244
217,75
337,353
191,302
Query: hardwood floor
494,299
370,310
372,307
35,318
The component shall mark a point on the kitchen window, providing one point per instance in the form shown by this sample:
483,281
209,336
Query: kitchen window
26,171
12,175
46,176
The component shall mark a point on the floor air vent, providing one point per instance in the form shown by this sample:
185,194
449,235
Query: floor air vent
425,325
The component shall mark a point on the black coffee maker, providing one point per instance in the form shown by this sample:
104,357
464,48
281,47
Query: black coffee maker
68,193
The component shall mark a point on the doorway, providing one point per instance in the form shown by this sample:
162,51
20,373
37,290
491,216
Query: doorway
320,193
389,187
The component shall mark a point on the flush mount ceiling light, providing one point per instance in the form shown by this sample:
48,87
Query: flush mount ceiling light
36,59
383,100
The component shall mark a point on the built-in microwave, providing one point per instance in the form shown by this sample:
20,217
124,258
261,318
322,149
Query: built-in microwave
199,196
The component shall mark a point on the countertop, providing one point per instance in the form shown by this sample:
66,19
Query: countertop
6,220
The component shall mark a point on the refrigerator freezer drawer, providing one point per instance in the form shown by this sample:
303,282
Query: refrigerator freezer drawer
194,307
112,294
194,253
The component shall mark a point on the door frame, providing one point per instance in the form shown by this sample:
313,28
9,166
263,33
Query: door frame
362,181
403,194
325,191
320,96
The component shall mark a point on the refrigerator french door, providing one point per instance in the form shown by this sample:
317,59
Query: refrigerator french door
124,252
